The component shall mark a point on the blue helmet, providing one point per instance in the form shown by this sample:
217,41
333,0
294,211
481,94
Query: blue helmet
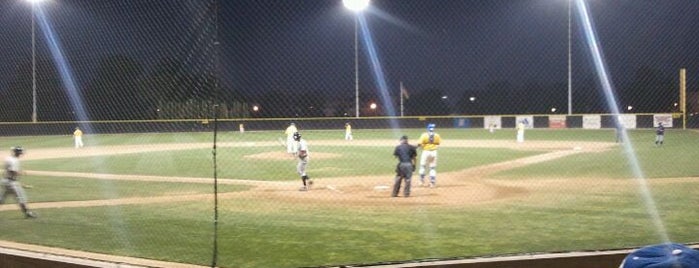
430,127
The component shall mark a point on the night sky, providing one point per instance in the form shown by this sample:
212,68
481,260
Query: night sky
308,45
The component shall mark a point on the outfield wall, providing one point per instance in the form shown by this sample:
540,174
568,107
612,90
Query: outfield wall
592,121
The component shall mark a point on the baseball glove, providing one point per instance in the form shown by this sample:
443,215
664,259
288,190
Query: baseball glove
302,154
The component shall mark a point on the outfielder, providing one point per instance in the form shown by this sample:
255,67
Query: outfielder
9,182
429,142
78,137
302,155
291,147
348,131
659,134
520,131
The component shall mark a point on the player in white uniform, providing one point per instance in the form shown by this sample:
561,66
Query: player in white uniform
290,142
520,132
9,182
302,155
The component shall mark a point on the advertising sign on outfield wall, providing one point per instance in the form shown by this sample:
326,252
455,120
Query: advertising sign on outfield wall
628,120
666,119
557,121
528,120
592,121
494,121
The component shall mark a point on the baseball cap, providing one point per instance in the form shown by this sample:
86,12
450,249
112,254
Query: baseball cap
668,255
404,137
430,127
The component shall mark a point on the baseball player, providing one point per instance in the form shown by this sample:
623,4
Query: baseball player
78,137
348,131
9,182
290,142
520,131
659,134
429,142
406,154
302,155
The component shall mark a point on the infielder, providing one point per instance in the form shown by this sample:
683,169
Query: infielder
659,134
290,142
78,137
9,182
348,131
302,155
429,142
406,154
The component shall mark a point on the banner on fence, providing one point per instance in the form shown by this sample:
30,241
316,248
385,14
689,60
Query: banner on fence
628,120
557,121
527,120
666,119
592,121
492,122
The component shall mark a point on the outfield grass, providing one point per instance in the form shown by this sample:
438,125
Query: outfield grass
257,232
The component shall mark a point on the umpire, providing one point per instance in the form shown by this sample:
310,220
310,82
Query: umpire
406,155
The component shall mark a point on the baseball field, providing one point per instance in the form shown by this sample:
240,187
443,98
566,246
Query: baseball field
151,196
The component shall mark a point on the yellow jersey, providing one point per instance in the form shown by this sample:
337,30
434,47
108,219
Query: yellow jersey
429,141
77,133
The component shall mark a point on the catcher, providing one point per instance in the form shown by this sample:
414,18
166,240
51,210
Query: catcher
406,155
302,154
9,182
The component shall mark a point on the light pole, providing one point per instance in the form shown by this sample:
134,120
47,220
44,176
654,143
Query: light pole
356,6
34,3
570,68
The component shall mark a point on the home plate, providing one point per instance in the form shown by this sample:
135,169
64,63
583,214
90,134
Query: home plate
380,188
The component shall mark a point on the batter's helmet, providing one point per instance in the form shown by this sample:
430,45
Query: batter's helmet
17,150
297,136
430,127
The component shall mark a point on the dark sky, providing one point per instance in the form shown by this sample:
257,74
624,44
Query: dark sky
305,45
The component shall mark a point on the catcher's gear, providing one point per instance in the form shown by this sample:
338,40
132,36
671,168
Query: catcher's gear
297,136
17,150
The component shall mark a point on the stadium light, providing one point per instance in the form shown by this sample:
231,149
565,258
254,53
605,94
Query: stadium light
34,3
570,53
356,6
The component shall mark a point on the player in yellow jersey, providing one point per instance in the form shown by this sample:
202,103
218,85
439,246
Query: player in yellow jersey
429,142
348,131
78,137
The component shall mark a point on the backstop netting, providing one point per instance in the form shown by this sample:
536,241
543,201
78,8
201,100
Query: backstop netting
184,109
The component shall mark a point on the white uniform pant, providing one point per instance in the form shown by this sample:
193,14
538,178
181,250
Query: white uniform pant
520,135
79,142
301,166
428,158
12,187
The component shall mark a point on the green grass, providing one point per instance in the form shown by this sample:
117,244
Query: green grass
259,232
675,158
346,161
52,189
